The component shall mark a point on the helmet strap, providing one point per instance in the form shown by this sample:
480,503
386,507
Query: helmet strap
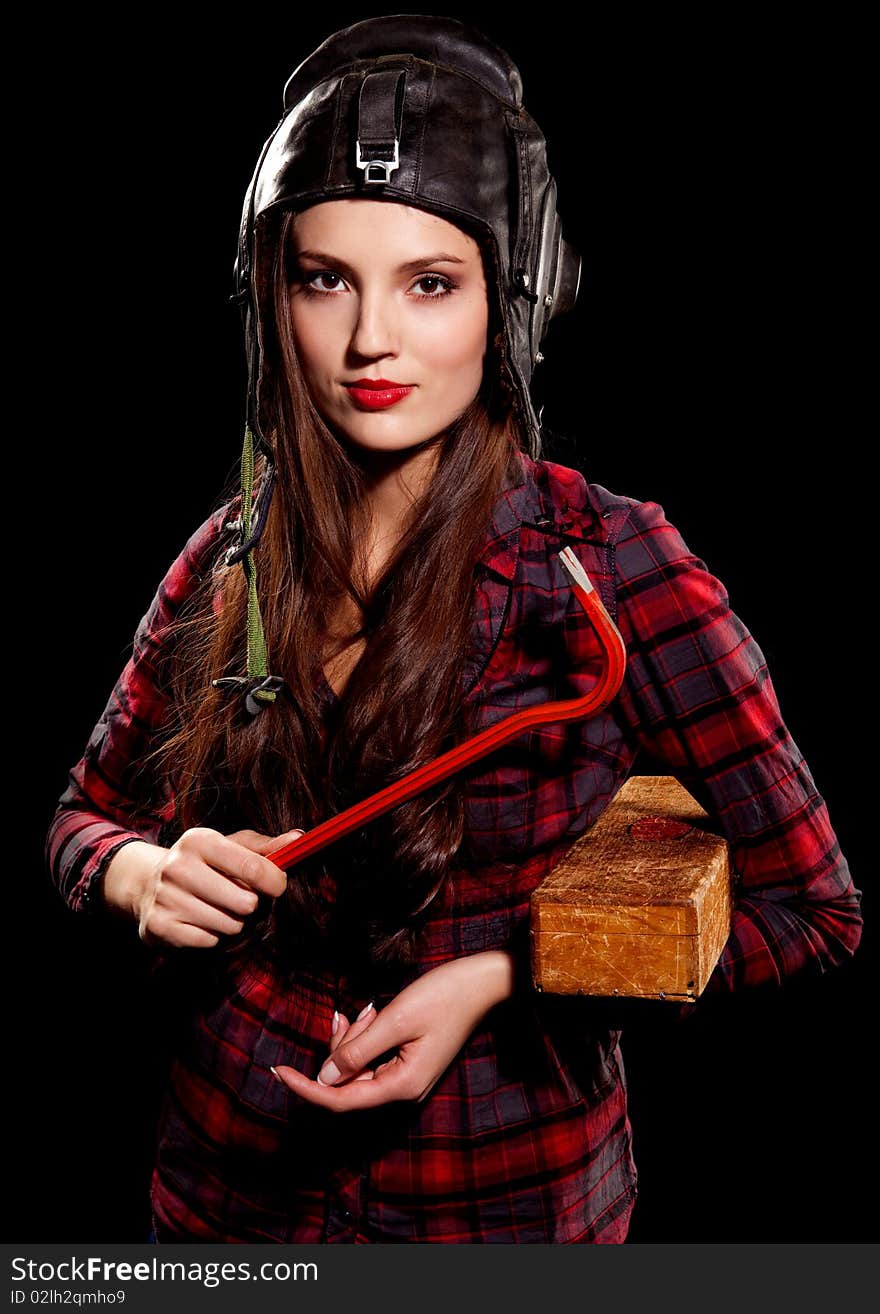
260,687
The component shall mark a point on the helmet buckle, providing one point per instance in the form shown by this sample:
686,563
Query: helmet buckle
385,166
377,144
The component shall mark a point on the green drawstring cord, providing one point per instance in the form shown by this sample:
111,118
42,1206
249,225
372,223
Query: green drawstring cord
257,663
256,640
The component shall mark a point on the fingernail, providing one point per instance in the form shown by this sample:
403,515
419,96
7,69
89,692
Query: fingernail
276,1076
328,1074
335,1027
364,1011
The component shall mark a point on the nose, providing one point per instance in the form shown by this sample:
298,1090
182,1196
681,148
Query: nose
376,328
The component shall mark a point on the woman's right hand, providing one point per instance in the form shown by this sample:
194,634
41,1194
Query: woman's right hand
200,889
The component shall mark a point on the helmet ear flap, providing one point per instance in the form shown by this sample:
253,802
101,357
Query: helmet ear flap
501,382
500,386
568,279
558,273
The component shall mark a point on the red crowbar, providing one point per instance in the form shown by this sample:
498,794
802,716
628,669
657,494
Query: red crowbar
570,709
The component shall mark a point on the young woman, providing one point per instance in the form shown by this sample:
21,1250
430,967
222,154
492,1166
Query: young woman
364,1059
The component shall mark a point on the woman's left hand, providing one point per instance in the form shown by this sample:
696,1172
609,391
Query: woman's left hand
427,1024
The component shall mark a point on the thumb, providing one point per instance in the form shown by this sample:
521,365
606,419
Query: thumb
282,841
285,838
266,844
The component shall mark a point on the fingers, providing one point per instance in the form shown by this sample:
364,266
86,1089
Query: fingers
342,1028
207,884
179,935
215,867
367,1039
179,918
401,1077
372,1072
259,843
346,1030
391,1082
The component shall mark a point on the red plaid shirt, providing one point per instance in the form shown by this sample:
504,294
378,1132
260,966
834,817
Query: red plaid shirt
525,1138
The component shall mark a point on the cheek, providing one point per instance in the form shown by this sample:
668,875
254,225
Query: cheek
314,343
459,343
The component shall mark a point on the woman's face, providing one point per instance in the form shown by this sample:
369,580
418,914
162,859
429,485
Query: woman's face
384,291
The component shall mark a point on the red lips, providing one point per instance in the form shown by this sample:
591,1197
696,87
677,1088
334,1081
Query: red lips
376,394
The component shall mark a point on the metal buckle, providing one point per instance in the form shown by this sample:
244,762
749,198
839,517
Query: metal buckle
387,166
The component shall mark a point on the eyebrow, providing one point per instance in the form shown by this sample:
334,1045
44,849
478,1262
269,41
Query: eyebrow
407,267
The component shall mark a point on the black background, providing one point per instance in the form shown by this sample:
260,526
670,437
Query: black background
711,174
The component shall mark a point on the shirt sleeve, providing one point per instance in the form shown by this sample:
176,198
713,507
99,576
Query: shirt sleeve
110,799
698,696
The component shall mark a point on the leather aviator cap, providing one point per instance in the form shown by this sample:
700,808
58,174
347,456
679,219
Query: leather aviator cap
426,111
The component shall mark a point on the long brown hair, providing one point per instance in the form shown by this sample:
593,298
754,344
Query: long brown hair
295,764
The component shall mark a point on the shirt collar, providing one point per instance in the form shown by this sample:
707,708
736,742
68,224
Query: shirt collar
529,502
499,550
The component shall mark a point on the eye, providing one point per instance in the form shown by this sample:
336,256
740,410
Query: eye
308,282
445,284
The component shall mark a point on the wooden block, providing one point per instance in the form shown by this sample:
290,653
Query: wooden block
640,906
